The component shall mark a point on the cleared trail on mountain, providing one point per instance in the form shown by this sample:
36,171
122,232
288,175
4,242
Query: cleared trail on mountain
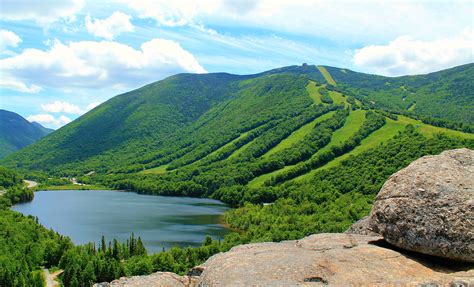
352,124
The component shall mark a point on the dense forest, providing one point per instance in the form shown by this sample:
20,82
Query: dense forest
295,151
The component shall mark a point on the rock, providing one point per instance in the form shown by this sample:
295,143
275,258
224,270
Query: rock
328,259
157,279
362,227
428,207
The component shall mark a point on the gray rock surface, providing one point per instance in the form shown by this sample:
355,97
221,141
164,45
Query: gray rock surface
362,227
157,279
328,259
428,207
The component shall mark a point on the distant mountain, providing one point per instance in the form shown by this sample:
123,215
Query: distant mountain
16,132
187,117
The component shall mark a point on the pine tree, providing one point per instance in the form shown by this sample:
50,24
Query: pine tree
140,248
103,246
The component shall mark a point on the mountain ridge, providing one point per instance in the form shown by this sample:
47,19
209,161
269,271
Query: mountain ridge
16,132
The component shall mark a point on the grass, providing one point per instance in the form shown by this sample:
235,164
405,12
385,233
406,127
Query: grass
156,170
338,98
260,180
353,122
297,135
412,107
327,76
313,91
230,143
388,131
351,126
430,131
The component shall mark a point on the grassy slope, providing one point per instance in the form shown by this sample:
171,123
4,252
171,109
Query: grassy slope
389,130
430,131
156,170
352,124
313,91
326,75
297,135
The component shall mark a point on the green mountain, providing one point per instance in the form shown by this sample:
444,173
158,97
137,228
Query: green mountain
16,132
183,118
298,150
446,95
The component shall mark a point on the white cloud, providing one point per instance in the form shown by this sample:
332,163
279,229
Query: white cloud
108,28
89,64
342,21
406,55
172,13
49,120
8,39
59,106
91,106
68,108
43,12
14,84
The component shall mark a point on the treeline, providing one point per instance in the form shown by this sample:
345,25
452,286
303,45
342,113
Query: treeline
84,265
25,245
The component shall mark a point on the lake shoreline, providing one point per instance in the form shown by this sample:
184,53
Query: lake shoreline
161,221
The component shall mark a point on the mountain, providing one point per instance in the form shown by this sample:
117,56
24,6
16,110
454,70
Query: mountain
444,95
16,132
296,150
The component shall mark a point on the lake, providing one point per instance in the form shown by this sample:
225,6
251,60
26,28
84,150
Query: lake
86,215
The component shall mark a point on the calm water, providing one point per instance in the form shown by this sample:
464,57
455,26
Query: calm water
85,216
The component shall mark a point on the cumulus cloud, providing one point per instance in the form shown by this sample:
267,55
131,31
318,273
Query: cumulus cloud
43,12
49,120
89,64
110,27
67,108
8,39
59,106
406,55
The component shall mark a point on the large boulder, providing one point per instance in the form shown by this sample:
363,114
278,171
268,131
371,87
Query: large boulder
329,259
362,227
428,207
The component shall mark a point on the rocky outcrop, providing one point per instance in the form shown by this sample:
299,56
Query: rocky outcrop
334,259
157,279
428,207
317,260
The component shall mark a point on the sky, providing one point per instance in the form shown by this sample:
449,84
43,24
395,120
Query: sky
61,58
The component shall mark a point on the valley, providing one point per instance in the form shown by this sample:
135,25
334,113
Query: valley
293,151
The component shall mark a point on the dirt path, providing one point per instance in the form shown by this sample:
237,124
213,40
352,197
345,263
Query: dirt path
30,183
49,278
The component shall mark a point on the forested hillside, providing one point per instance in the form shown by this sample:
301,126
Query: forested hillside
183,118
258,139
296,150
445,97
16,132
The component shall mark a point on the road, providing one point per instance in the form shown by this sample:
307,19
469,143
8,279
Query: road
49,278
30,183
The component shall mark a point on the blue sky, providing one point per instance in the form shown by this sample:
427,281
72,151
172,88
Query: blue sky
60,58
